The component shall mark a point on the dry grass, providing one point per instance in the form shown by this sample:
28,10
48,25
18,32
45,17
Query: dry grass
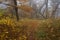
29,29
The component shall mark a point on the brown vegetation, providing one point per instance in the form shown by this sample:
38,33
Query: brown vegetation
28,29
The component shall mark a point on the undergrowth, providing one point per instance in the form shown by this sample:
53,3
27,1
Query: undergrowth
29,29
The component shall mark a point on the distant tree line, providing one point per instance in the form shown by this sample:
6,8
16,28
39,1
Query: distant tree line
36,12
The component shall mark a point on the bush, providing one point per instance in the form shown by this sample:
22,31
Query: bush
49,30
28,29
4,14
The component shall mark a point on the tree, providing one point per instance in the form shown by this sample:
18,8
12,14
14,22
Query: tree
46,8
16,9
55,10
55,4
12,3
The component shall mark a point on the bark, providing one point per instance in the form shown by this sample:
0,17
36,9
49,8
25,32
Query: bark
46,8
16,9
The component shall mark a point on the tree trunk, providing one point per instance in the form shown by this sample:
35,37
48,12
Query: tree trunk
16,9
46,8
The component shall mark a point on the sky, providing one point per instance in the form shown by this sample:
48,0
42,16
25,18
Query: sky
2,6
37,2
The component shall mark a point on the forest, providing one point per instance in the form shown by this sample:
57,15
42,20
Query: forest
29,19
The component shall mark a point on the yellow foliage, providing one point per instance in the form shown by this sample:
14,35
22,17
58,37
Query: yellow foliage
26,8
27,28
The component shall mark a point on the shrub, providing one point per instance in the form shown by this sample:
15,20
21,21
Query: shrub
29,29
49,30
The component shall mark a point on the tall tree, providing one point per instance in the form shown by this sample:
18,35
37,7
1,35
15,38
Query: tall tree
16,9
46,8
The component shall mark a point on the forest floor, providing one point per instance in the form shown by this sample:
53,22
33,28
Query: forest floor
29,29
